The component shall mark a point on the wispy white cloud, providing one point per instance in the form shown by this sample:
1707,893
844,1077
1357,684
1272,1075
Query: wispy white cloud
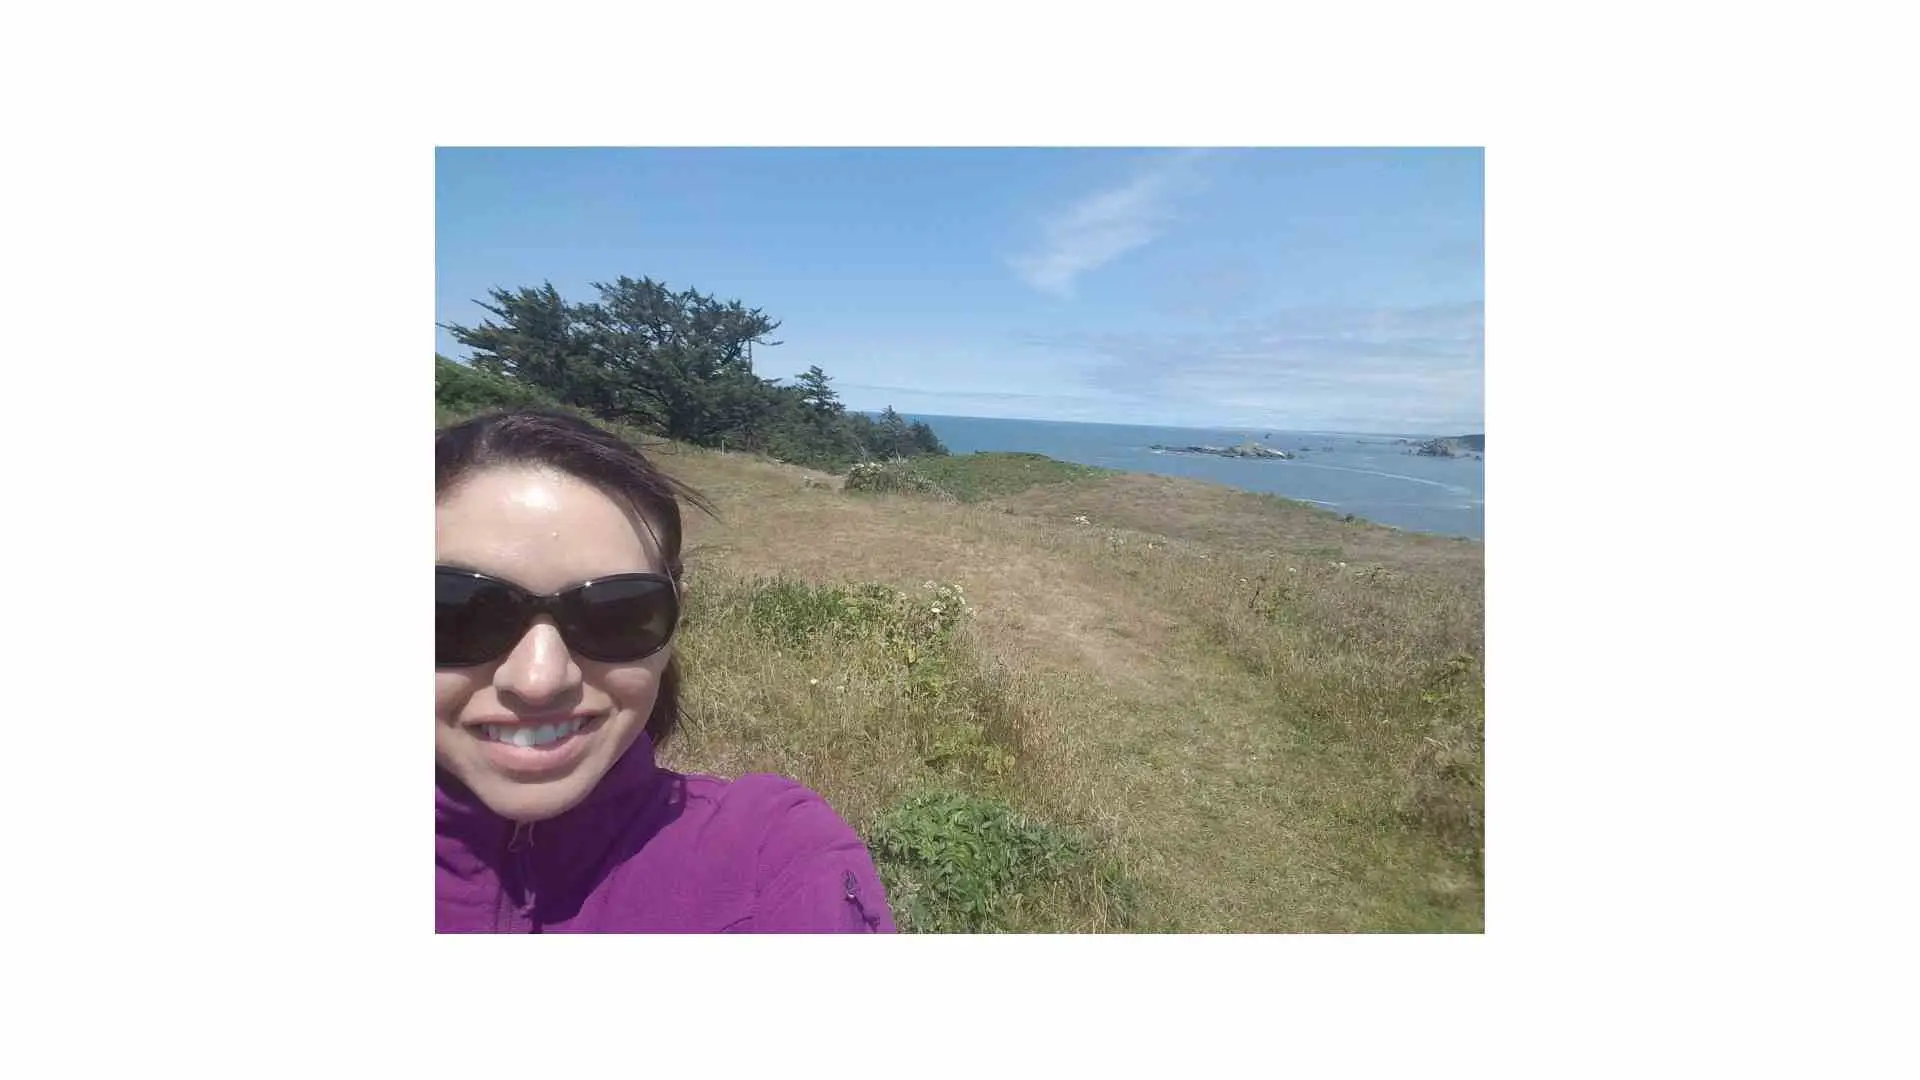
1406,369
1106,224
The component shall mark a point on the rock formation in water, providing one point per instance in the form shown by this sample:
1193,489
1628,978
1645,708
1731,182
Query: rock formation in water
1248,449
1472,446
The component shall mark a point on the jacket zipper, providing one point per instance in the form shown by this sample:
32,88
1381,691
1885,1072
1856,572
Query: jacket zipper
851,885
520,849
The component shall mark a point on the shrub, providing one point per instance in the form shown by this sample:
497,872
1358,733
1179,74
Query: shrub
897,475
961,863
458,388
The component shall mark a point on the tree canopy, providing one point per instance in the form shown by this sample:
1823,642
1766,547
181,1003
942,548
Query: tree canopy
679,363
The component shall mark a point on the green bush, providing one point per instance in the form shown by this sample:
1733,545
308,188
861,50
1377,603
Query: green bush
458,388
954,862
890,477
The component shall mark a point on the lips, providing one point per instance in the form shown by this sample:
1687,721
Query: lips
534,735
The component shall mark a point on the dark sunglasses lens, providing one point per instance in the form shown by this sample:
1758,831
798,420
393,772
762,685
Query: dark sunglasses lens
621,619
474,620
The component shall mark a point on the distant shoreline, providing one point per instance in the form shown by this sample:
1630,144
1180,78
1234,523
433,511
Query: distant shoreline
1375,478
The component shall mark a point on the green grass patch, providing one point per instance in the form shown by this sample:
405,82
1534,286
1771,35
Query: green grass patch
958,862
972,477
908,627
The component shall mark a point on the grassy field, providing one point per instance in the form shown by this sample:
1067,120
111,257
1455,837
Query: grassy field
1063,699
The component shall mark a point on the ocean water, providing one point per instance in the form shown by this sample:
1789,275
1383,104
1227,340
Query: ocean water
1375,477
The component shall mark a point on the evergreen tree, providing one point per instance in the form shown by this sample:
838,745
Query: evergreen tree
816,390
679,362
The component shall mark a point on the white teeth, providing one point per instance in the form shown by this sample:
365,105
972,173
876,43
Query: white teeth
531,736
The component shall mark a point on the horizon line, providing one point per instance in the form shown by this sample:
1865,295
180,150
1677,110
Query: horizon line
1406,432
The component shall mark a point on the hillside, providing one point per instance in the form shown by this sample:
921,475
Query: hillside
1057,698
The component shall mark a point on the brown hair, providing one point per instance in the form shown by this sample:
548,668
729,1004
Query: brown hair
576,447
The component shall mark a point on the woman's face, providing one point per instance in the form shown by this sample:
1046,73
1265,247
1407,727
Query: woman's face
544,531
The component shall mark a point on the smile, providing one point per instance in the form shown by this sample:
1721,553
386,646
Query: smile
526,735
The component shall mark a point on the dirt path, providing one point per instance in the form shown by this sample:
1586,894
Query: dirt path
1028,606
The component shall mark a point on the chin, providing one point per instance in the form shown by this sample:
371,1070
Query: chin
532,802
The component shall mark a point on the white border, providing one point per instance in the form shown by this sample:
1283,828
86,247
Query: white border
220,247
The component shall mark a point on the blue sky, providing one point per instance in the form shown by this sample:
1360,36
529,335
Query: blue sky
1333,290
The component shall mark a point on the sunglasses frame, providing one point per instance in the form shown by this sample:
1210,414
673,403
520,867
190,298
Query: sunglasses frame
532,605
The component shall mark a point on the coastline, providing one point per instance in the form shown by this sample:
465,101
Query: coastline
1373,477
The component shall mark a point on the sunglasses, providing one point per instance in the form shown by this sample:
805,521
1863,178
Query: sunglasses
614,620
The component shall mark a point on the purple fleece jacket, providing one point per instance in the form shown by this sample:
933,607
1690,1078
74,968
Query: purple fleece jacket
651,850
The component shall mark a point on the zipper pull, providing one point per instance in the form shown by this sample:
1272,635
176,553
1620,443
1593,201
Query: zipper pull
851,885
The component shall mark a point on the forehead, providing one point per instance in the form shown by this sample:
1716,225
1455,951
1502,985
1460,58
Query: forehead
539,528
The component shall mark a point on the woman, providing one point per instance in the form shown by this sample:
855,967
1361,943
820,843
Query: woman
557,592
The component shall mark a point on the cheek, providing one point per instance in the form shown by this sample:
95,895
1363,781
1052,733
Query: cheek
632,686
451,692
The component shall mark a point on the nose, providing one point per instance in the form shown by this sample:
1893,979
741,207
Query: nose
540,668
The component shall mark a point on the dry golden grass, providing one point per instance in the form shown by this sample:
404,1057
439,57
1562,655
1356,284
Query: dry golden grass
1257,737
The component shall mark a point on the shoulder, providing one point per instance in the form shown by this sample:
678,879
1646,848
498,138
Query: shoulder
767,793
811,870
775,813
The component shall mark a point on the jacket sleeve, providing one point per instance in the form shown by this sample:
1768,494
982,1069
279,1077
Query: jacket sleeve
815,874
